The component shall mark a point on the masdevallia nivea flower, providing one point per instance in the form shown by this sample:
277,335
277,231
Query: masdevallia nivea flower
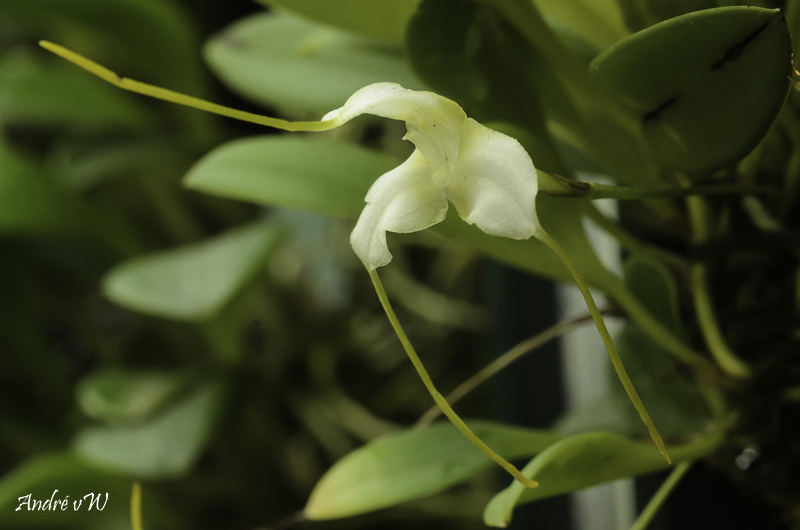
487,175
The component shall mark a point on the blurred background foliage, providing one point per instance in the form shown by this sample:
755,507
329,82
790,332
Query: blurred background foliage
228,353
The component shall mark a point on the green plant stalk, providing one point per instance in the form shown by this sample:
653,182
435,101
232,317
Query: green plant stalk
136,507
437,397
661,495
512,355
545,238
709,327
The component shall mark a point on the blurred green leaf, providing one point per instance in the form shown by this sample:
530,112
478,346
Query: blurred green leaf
42,475
599,22
586,460
652,283
30,204
284,61
56,94
192,283
380,19
152,36
706,85
116,396
164,446
292,172
415,463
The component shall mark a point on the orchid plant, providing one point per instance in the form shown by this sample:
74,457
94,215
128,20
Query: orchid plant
688,109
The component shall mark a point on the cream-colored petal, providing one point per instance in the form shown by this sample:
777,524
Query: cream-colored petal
390,100
494,183
403,200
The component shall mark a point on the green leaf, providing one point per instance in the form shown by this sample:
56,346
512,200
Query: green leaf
164,446
152,36
586,460
652,283
599,22
413,464
56,94
195,282
70,479
706,86
468,53
292,172
380,19
280,60
116,396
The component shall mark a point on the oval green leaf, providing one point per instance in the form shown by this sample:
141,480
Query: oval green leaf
706,86
291,172
414,464
586,460
164,446
380,19
192,283
126,396
284,61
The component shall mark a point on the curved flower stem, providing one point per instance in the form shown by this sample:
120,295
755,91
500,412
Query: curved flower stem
168,95
726,359
437,397
661,495
136,507
699,216
512,355
545,238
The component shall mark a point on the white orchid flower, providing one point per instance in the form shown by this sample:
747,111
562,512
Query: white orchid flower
487,175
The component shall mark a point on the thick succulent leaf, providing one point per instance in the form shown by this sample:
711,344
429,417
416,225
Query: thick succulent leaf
284,61
413,464
706,86
166,445
152,36
583,461
380,19
192,283
60,476
292,172
55,94
126,396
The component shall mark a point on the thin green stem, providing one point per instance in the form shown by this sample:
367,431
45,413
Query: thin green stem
512,355
437,397
661,495
168,95
136,507
545,238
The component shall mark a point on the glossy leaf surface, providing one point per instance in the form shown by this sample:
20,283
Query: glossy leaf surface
706,86
413,464
582,461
